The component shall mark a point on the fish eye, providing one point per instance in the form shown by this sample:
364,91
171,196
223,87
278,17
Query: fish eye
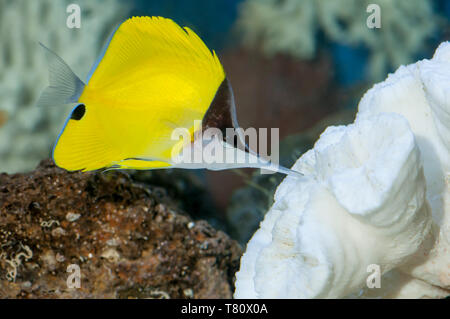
78,112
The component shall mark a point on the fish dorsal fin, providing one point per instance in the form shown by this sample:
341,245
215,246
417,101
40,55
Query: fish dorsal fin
101,55
65,87
165,63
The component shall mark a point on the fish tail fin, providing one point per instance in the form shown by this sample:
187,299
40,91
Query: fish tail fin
65,87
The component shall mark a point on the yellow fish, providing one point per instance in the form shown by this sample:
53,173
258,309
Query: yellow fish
153,76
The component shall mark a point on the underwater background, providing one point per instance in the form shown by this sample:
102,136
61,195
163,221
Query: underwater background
296,65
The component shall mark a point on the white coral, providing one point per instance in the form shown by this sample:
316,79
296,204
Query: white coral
291,26
427,108
375,192
29,132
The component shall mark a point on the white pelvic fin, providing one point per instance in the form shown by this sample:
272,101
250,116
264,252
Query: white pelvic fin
65,87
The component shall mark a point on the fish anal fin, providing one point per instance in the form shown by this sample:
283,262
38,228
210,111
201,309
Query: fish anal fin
141,164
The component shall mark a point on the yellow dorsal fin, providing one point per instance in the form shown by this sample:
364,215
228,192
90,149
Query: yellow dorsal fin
155,47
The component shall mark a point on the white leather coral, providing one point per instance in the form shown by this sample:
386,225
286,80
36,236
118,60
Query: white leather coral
374,192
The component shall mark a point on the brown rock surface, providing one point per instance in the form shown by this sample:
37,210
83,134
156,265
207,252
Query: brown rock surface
126,242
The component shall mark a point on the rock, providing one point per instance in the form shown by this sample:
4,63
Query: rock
187,189
125,242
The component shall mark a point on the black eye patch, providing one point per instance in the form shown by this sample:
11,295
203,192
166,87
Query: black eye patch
78,113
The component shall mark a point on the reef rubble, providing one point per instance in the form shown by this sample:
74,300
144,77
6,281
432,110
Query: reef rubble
121,238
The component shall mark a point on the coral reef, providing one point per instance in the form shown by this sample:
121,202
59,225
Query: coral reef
250,203
375,192
127,241
186,188
27,135
292,26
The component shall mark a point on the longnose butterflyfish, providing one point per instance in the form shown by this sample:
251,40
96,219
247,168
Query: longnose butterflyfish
152,77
